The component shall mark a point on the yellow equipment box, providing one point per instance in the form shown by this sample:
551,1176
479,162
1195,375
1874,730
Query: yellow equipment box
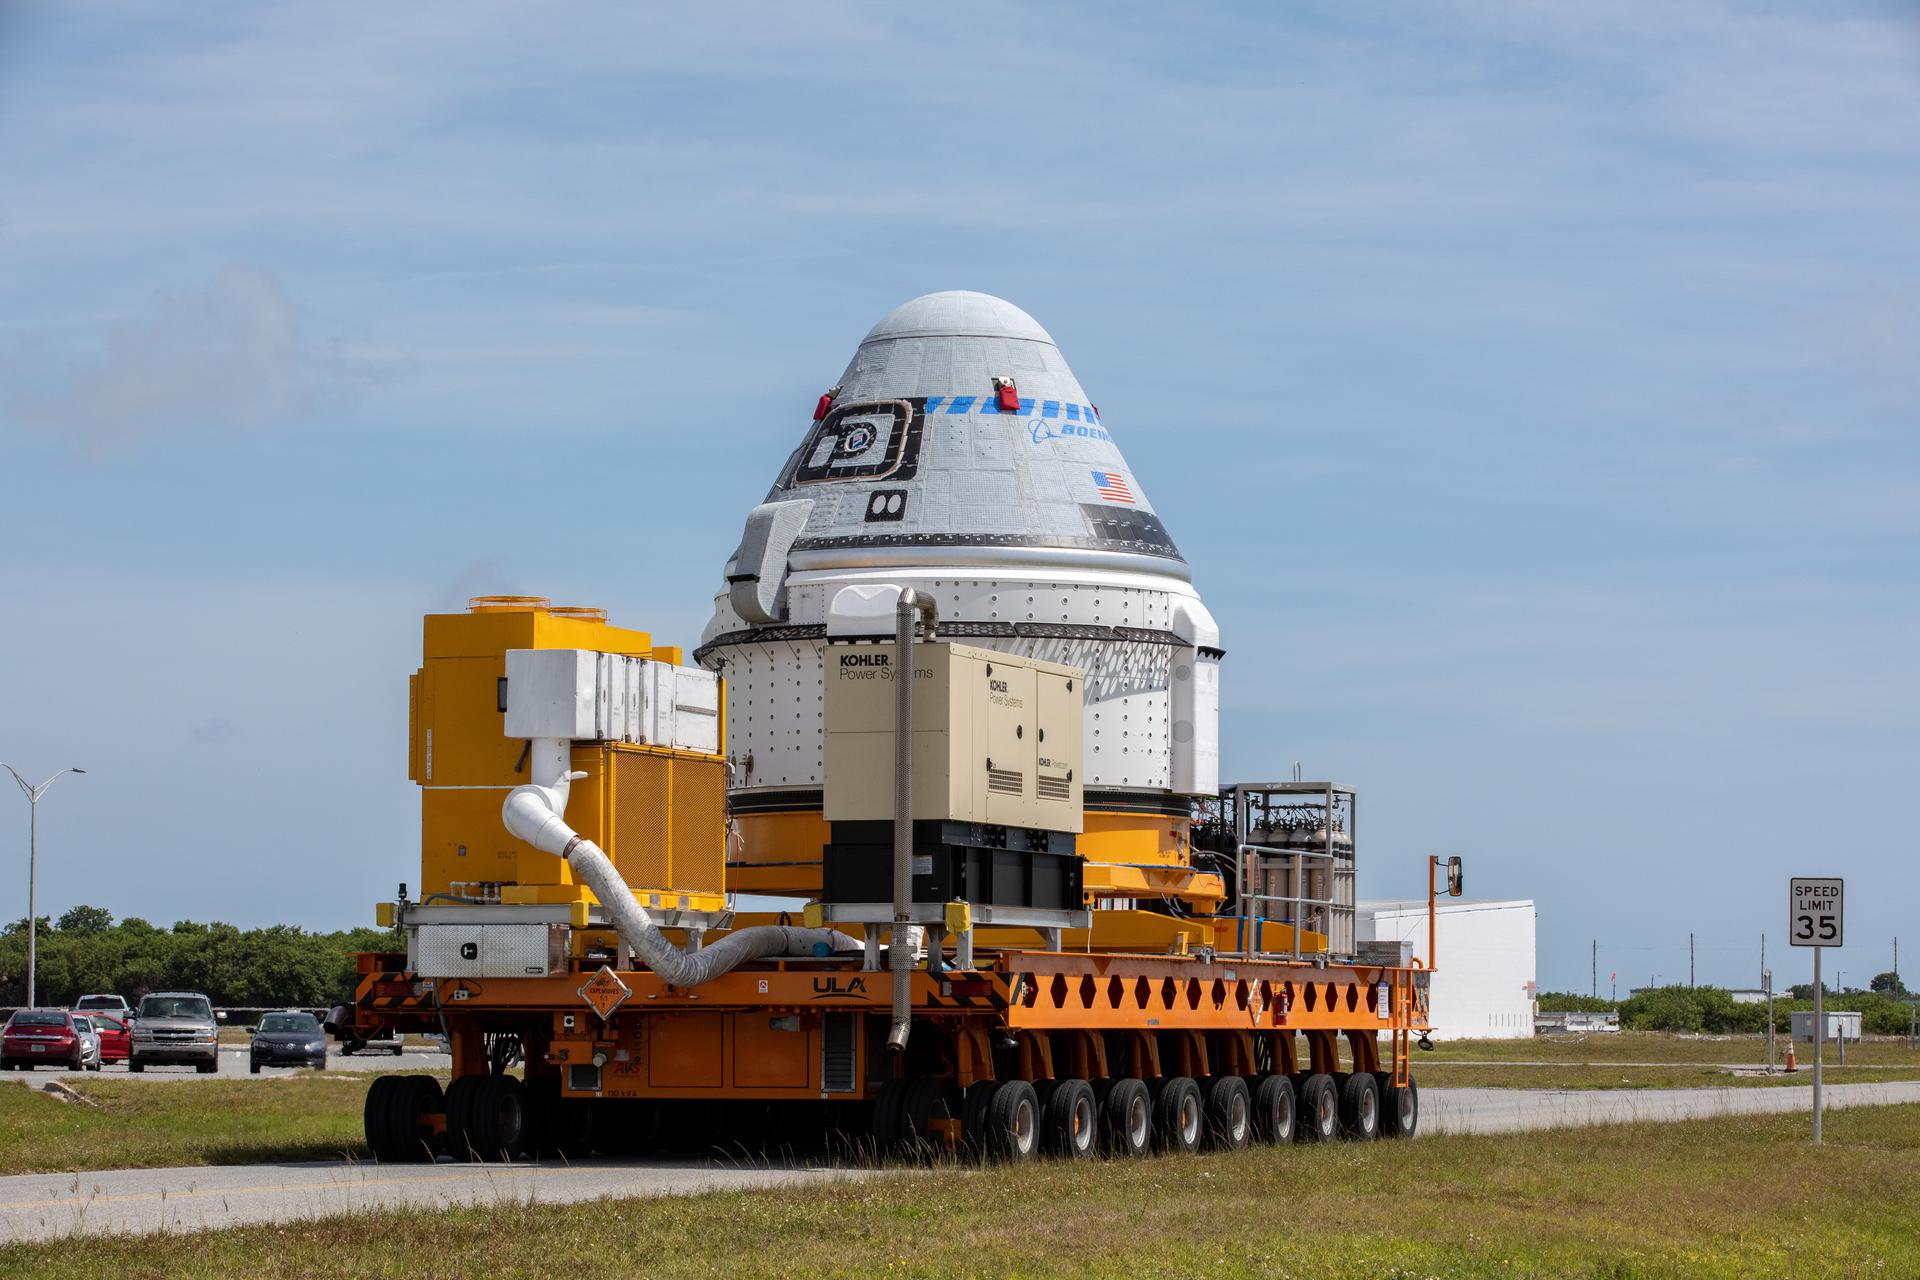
659,812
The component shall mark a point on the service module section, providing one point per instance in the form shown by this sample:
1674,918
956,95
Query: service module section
1816,912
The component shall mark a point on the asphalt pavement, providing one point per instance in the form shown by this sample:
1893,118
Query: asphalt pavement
52,1206
233,1064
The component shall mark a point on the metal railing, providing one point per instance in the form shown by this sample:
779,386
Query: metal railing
1254,866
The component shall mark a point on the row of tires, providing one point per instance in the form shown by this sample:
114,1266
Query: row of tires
498,1117
1012,1121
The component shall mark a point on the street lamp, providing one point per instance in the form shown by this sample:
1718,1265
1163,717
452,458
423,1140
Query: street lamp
33,839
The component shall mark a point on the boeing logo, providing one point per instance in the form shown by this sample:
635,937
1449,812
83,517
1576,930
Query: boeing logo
1039,429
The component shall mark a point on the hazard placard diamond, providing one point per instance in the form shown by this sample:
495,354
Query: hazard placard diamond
604,992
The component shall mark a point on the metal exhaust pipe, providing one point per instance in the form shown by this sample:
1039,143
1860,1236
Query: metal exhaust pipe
907,613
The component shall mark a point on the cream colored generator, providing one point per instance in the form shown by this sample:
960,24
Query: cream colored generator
996,738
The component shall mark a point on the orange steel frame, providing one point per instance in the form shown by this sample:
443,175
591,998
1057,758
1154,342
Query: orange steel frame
1065,1013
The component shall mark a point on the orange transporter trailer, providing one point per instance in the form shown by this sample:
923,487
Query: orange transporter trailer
574,941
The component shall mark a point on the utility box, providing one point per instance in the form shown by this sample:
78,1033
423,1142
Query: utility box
487,950
996,737
644,729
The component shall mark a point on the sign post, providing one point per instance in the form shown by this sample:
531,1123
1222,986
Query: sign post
1816,918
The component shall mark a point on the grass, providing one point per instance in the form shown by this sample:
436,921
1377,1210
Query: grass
1737,1197
141,1124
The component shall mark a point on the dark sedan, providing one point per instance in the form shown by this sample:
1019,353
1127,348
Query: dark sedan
291,1039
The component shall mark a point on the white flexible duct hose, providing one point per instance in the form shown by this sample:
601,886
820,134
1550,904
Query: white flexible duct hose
532,813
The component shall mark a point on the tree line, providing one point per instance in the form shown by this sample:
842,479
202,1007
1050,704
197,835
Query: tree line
1886,1008
86,951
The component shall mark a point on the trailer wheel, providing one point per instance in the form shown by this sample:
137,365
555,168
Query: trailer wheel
412,1101
459,1137
1273,1109
560,1126
625,1126
889,1119
1013,1123
1129,1118
1399,1106
1360,1107
973,1115
1229,1113
1319,1119
1072,1121
1179,1120
376,1118
497,1127
926,1100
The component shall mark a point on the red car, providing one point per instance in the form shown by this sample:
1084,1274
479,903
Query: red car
34,1036
116,1037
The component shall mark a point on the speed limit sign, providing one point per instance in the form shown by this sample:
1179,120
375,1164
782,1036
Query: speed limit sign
1816,913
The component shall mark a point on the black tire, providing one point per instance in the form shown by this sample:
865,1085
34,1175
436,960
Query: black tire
497,1123
1229,1114
1319,1109
413,1101
207,1068
1128,1116
626,1127
926,1100
376,1118
1012,1124
1070,1126
1179,1116
1273,1109
561,1126
1399,1106
973,1115
253,1068
459,1103
1360,1107
135,1066
889,1119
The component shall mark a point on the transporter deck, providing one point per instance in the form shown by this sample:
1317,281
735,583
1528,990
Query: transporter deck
1090,1049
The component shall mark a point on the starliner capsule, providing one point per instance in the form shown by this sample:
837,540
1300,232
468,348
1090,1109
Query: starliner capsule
958,456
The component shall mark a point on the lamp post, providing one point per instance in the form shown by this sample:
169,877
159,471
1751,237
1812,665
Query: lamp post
33,855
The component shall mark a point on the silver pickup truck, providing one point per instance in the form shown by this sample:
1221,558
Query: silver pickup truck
175,1027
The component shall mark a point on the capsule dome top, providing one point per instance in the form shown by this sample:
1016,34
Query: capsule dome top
957,313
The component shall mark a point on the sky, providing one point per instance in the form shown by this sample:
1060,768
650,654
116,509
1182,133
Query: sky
1532,387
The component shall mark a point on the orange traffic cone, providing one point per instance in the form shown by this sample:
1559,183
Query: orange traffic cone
1792,1065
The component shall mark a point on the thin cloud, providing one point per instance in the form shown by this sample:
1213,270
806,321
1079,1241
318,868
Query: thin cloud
230,358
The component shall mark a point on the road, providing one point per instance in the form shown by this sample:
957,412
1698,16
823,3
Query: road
48,1206
1515,1110
233,1064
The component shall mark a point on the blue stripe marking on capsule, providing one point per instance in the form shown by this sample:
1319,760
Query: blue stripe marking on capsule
988,404
1073,413
934,403
1093,414
961,404
1050,409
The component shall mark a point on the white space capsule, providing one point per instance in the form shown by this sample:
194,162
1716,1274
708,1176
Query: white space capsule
959,456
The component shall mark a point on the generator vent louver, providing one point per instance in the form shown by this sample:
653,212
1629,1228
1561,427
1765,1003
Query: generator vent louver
839,1036
1006,781
1052,788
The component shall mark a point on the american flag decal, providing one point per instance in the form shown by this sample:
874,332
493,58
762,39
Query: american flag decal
1112,486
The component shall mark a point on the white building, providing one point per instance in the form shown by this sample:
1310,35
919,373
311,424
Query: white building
1483,986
